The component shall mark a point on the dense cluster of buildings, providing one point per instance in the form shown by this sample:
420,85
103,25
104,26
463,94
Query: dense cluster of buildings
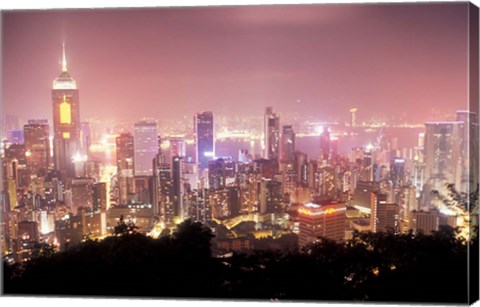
54,190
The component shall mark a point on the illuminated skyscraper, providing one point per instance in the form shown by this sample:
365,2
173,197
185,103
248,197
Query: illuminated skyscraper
100,195
27,236
15,162
177,147
271,134
37,146
407,201
288,144
66,121
82,194
146,147
451,153
220,172
125,166
204,134
424,221
85,138
177,185
443,154
301,169
166,193
326,221
353,118
470,155
384,216
397,172
325,153
216,178
362,195
234,201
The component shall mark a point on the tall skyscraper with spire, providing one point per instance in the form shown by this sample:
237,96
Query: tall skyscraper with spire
66,121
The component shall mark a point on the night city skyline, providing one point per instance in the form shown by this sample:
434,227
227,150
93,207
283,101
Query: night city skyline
301,152
293,58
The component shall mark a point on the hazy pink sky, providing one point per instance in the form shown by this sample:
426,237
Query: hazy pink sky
314,59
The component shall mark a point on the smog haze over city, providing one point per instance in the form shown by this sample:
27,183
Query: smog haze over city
285,152
314,60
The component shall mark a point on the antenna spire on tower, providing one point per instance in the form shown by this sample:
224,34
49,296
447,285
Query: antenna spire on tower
64,59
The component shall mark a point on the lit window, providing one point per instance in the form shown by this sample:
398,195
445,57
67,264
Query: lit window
65,112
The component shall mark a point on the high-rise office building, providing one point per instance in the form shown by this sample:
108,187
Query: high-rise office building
82,190
166,193
27,236
275,198
4,235
177,186
267,168
146,147
37,146
288,144
271,134
369,169
125,166
204,135
384,216
424,221
177,147
66,121
190,174
143,186
16,152
397,172
201,209
443,154
469,170
15,163
216,174
326,220
234,201
100,196
327,183
353,117
85,139
263,195
155,188
407,200
301,169
325,144
221,172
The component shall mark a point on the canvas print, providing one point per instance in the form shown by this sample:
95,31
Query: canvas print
323,152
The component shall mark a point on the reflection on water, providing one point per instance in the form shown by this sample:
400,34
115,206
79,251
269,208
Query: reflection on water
407,138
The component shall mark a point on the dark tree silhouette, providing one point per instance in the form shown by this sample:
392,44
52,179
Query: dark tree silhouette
372,266
124,228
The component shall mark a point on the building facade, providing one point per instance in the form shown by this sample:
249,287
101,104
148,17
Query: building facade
146,147
326,220
66,121
271,134
204,135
